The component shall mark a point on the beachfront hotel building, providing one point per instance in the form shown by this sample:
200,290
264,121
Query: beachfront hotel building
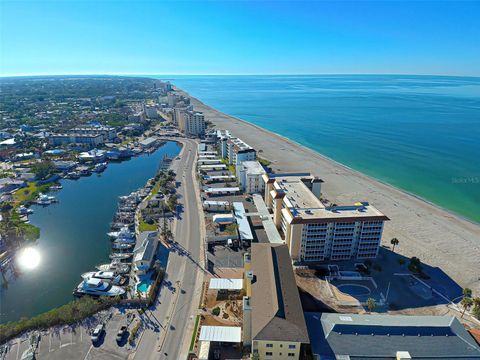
235,150
192,123
273,323
315,232
249,174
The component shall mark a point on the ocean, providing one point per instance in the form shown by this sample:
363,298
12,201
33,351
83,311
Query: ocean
418,133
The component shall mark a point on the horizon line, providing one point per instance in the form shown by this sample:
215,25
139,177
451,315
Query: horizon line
226,74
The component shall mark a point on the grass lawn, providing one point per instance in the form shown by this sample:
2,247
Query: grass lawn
154,191
143,226
194,336
29,193
264,162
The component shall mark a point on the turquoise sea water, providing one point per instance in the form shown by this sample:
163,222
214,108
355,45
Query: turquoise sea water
73,236
418,133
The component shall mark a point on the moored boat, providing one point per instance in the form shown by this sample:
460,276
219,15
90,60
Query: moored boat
97,287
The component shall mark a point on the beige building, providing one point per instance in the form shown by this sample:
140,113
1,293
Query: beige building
274,325
315,232
190,122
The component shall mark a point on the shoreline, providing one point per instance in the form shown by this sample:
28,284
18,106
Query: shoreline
419,224
339,164
371,178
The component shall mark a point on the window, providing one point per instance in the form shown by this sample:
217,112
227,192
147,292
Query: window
292,346
291,354
268,353
269,345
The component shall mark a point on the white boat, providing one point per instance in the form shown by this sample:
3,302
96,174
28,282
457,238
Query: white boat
45,199
116,266
98,287
124,241
105,275
100,167
121,255
22,210
123,233
121,246
73,175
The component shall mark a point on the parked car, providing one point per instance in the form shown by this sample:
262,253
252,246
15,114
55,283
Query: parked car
121,333
97,333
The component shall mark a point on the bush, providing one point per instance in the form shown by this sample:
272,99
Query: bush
216,311
133,333
67,314
152,294
415,265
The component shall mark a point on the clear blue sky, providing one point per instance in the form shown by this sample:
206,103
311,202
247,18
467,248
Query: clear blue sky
225,37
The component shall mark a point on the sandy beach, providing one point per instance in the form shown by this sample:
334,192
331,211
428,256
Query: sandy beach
438,237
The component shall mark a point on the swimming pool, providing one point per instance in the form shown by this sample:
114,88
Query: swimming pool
143,286
354,290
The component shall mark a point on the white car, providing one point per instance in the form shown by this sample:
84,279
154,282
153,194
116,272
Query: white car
97,333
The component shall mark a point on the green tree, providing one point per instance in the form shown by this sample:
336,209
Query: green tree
466,303
394,242
415,265
43,170
467,292
172,202
216,311
371,304
476,307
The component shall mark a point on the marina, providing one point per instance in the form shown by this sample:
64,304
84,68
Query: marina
74,240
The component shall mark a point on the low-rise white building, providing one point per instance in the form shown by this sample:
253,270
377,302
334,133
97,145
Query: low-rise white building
249,174
145,252
216,206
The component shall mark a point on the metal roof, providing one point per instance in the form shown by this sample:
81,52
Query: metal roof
242,221
221,190
204,350
382,336
226,284
231,334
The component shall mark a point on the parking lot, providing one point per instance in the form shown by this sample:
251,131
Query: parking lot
74,342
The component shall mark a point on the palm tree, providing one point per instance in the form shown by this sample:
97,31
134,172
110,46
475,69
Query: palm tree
394,242
466,303
371,304
467,292
476,307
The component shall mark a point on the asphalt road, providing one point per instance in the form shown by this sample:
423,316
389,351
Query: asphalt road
176,305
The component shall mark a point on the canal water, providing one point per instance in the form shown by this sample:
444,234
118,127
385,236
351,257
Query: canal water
73,236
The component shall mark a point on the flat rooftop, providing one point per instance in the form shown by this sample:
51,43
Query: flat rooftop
297,193
383,336
253,167
303,203
358,211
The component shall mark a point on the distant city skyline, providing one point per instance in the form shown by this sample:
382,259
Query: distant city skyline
239,38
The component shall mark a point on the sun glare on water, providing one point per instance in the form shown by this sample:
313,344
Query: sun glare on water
29,258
